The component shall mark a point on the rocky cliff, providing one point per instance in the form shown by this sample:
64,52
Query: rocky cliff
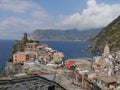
109,35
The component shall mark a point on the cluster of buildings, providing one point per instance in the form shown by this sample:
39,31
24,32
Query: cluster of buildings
34,51
104,73
34,59
99,73
40,52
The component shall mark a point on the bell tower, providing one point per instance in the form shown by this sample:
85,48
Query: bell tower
25,37
106,51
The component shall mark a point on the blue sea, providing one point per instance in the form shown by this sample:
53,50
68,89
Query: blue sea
71,49
5,49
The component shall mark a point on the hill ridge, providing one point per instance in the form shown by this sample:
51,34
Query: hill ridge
109,35
63,35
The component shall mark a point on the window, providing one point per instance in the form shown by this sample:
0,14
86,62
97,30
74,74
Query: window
15,59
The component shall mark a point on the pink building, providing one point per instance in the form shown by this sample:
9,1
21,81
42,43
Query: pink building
20,57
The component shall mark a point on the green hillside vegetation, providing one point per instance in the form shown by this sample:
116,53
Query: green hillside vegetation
109,35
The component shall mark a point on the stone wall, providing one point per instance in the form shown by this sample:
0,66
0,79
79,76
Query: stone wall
29,83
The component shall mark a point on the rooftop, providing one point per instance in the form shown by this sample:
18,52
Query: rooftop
90,72
108,79
24,53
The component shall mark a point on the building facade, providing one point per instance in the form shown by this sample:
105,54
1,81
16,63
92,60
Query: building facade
20,57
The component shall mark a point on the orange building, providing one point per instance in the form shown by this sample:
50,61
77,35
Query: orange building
69,63
20,57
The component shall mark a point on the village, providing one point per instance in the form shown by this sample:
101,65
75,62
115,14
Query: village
97,73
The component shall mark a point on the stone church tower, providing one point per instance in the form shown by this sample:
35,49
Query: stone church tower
25,37
106,52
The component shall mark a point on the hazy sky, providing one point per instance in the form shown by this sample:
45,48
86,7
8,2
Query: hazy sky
19,16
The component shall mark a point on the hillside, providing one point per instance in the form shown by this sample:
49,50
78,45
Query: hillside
64,35
109,35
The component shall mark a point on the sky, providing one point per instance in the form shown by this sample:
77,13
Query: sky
19,16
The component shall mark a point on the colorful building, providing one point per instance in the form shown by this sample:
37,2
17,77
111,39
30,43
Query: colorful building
69,63
31,46
20,57
32,49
